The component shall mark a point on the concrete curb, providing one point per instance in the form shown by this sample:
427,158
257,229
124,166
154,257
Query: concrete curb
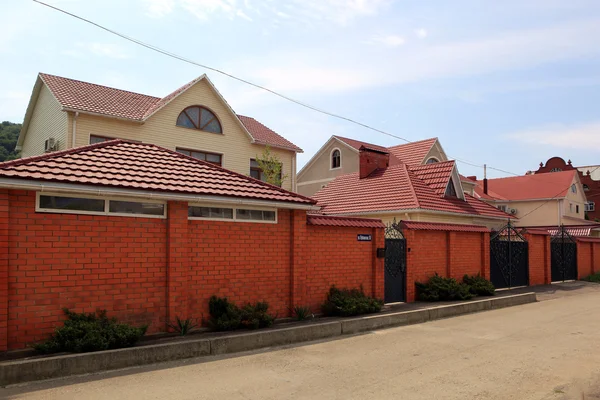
13,372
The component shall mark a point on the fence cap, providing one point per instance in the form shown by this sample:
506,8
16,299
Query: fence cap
351,222
438,226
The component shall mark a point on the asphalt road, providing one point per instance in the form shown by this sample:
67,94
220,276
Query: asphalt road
547,350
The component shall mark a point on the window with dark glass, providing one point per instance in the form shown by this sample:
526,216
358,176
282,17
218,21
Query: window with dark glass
336,159
586,187
135,207
99,139
450,190
210,212
432,160
257,173
255,215
196,117
71,203
212,158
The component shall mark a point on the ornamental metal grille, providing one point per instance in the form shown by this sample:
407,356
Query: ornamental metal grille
509,258
395,264
563,256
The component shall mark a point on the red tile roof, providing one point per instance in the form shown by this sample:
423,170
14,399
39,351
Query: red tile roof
142,166
431,226
582,231
398,188
88,97
357,144
327,220
413,153
528,187
436,176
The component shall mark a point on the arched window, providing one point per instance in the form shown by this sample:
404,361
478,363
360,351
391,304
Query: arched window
556,170
336,159
432,160
196,117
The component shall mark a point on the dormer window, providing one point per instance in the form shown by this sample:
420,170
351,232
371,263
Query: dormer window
196,117
336,159
450,190
432,160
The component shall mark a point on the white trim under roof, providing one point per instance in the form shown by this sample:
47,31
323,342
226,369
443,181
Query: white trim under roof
418,210
23,184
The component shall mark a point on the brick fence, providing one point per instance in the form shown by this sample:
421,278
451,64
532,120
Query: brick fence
588,256
150,270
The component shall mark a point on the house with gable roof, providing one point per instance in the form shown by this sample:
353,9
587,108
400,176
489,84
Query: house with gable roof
194,120
413,181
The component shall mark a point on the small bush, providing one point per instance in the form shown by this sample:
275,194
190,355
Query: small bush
87,332
301,313
479,286
183,326
226,316
593,278
348,302
443,289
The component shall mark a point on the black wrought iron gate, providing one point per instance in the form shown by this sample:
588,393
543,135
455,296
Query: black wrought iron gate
395,264
509,258
563,256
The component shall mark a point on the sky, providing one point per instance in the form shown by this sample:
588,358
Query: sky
507,83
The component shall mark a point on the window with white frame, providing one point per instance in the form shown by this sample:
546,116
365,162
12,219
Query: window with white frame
590,206
232,214
336,159
78,204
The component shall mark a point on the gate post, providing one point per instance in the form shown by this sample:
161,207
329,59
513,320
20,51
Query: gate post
547,260
4,270
378,275
485,255
178,260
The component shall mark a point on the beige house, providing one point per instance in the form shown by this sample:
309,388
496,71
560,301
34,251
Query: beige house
195,120
538,200
412,182
340,155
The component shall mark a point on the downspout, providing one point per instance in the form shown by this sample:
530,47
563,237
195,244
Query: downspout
73,137
294,173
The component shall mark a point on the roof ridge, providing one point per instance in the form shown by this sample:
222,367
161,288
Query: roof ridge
42,74
572,171
411,186
437,164
413,142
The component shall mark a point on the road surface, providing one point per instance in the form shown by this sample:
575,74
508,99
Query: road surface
547,350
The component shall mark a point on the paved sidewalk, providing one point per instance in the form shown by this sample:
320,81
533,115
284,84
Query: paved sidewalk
546,350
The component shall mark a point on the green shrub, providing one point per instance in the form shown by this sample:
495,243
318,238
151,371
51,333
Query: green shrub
301,313
256,316
87,332
348,302
479,286
443,289
183,326
593,278
226,316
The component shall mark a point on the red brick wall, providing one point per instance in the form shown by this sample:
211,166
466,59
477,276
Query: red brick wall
539,259
82,262
584,259
148,270
449,254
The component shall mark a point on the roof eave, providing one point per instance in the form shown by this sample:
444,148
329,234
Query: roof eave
29,111
421,210
69,109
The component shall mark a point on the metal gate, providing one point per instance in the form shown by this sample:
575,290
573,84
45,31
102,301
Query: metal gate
563,256
395,264
509,258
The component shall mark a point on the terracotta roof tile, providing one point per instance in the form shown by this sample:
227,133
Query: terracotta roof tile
432,226
436,176
327,220
397,188
413,153
528,187
142,166
357,144
98,99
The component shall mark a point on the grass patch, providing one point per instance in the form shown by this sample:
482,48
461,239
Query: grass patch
595,278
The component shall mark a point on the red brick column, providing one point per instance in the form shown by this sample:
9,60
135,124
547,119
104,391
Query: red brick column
178,260
451,239
378,264
411,265
298,254
485,255
3,270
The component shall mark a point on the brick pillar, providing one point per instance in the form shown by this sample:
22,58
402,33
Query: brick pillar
485,255
450,240
178,260
299,237
3,270
547,260
410,236
378,264
593,256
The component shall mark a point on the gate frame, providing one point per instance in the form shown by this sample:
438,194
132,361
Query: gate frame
393,231
563,236
520,238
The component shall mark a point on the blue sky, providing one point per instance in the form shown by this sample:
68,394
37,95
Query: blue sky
508,83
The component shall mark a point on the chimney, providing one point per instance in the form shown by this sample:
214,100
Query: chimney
485,183
371,159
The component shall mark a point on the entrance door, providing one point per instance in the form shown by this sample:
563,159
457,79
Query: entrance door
395,265
563,257
509,258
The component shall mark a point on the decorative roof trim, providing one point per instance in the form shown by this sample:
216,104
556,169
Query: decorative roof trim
329,220
439,226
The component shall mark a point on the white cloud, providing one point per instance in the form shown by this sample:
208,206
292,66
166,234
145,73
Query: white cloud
421,33
159,8
387,40
241,14
578,136
203,8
